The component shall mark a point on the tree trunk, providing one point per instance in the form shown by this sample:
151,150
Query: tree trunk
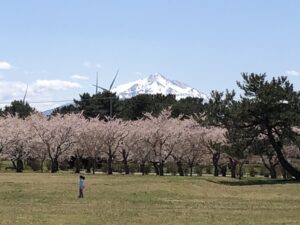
42,165
126,167
89,162
216,157
232,167
273,172
77,164
284,163
161,168
156,168
180,169
142,168
287,166
223,170
14,164
271,167
54,165
94,165
20,166
125,162
109,165
199,171
191,169
240,170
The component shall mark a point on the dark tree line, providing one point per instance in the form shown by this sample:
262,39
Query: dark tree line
133,108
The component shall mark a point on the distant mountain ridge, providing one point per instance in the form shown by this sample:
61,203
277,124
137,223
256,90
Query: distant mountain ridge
157,84
50,111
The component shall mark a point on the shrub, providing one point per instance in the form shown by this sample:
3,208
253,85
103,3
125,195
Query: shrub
199,170
208,169
48,164
171,168
64,165
104,167
118,167
34,164
252,171
133,167
147,168
186,169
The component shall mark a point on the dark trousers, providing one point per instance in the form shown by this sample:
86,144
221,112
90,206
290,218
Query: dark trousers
80,193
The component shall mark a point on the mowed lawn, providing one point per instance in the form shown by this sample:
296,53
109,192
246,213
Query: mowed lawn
33,198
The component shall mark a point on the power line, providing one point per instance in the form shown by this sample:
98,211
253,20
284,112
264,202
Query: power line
39,102
58,101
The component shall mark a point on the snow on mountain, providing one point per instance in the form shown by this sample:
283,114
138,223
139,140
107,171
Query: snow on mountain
50,111
155,84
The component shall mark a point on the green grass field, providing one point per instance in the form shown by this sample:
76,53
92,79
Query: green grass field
34,198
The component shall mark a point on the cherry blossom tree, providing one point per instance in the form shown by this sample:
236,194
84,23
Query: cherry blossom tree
175,145
130,145
89,141
16,141
158,133
114,131
57,134
39,151
4,137
179,154
184,144
196,149
140,150
214,139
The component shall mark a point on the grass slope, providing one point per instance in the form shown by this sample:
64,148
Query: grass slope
33,198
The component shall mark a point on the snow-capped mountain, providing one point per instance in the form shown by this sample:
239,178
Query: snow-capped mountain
155,84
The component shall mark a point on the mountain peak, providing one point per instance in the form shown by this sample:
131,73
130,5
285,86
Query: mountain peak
157,84
156,77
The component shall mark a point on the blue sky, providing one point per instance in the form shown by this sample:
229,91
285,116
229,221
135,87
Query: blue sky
206,44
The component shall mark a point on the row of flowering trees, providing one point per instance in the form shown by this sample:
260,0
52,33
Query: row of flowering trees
151,140
154,140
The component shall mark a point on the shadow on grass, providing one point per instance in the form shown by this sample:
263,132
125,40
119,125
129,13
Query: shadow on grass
246,182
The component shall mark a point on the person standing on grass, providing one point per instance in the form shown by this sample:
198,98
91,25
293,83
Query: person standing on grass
81,186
